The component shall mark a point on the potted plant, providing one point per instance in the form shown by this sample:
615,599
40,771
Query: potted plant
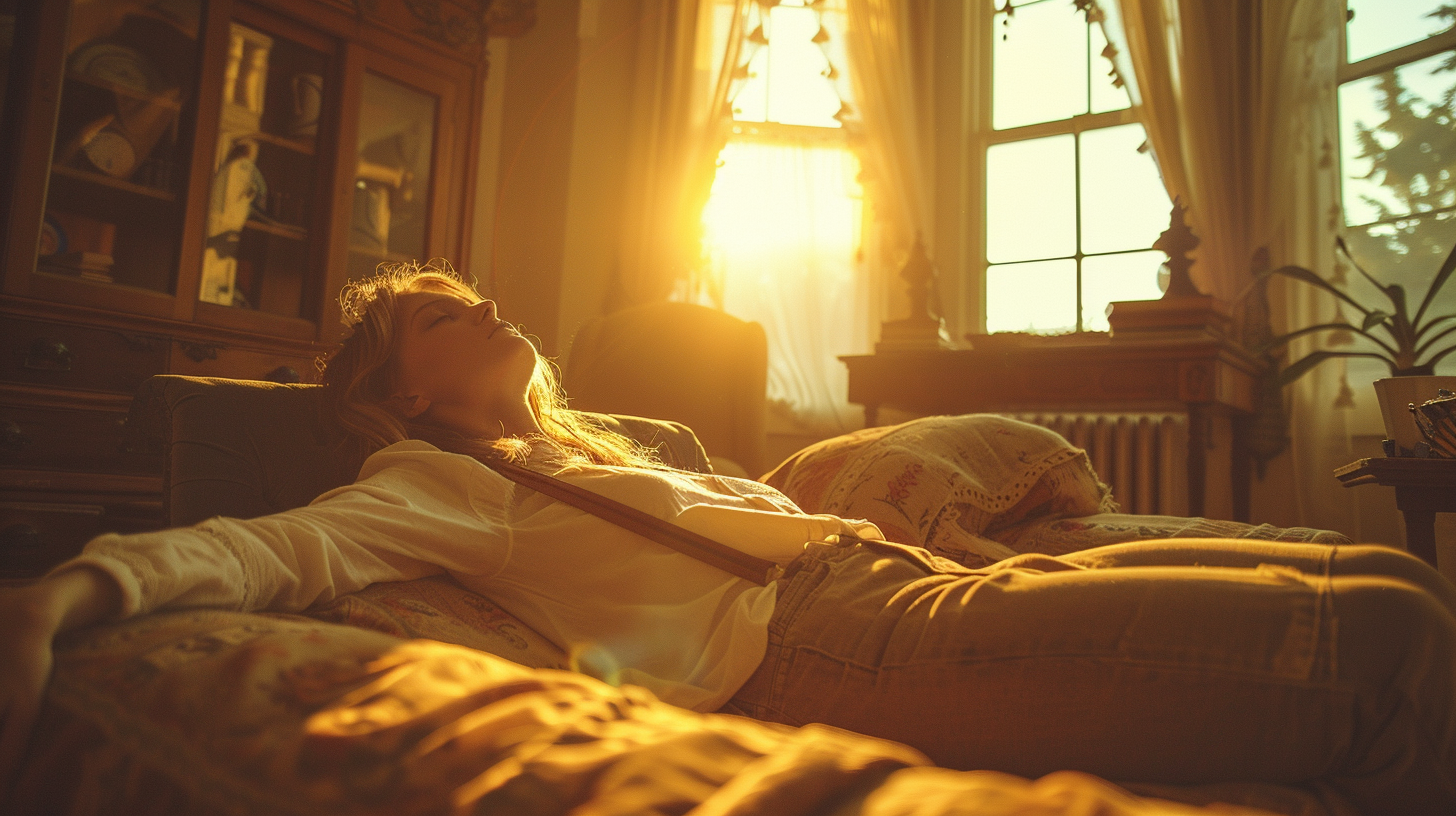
1410,344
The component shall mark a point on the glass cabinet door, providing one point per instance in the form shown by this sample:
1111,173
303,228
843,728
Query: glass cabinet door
392,194
115,194
264,209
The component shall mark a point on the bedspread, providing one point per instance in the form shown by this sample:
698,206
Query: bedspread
208,712
423,698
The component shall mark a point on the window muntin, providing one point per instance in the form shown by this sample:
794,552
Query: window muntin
787,78
1398,153
1376,27
1073,198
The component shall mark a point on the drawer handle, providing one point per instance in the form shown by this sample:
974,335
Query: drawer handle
48,355
19,537
13,437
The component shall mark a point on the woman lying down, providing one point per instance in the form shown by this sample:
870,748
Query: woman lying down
1192,662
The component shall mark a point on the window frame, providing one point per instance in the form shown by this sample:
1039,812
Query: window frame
1348,72
981,30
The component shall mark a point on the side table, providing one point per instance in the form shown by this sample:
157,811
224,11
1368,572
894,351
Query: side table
1423,488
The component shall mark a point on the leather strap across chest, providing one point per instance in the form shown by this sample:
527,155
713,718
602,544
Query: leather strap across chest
760,571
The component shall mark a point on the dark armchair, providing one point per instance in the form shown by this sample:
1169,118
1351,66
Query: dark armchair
246,448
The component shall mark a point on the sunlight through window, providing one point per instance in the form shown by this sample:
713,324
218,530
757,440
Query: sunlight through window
1397,150
1073,199
782,224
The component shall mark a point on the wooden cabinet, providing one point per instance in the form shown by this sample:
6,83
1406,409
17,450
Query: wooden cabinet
186,186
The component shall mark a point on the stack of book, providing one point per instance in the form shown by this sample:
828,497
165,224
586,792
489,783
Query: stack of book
89,265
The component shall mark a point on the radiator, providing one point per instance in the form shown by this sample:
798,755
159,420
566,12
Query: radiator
1144,457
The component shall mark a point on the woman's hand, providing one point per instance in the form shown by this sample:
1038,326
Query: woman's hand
32,616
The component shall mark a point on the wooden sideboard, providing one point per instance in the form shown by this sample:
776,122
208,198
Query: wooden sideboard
1210,378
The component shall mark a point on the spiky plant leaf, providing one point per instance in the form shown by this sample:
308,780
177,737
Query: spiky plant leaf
1299,273
1442,276
1374,319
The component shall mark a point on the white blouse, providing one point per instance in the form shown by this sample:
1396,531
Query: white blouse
628,609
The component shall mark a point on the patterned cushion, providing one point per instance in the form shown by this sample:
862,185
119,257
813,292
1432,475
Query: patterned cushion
979,488
949,484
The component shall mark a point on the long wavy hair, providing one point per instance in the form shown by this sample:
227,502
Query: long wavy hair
362,374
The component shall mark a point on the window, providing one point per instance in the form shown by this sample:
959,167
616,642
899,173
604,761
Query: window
1398,151
782,224
1073,201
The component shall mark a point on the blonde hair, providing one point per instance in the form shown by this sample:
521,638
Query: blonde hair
361,376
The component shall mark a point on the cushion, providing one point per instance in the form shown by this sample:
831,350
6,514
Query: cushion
979,488
949,484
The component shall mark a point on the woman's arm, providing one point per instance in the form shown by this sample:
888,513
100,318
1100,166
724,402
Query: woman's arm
414,512
33,615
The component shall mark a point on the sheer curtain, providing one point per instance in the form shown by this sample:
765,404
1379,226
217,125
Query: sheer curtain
1298,216
783,224
687,55
888,121
1180,61
783,241
1238,101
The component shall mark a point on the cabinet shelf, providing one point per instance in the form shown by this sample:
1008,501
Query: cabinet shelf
280,230
300,146
167,100
114,183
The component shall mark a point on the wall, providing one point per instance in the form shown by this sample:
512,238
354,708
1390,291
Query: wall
551,171
552,161
522,244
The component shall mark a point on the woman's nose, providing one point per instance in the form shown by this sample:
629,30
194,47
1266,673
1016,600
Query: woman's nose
487,310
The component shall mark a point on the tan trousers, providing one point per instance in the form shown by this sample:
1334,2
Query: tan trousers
1186,661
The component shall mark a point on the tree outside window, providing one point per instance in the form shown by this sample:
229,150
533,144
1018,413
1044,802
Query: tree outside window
1398,150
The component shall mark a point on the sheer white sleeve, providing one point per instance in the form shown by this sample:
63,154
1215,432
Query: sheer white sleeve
415,511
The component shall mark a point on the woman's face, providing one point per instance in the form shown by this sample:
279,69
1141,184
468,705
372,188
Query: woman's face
455,357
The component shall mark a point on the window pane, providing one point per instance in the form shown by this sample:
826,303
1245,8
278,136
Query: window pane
392,183
1030,199
265,189
1105,95
799,93
1124,204
1037,297
1110,278
1407,253
1040,65
1396,142
750,104
115,200
1385,25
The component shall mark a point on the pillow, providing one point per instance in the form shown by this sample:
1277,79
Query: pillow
439,608
950,484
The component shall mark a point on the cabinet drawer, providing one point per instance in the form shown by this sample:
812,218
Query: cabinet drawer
35,537
244,364
66,439
70,356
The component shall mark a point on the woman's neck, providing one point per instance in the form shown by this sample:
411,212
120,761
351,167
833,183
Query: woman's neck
517,421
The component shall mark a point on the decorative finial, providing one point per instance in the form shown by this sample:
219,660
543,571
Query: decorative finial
919,274
1176,242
